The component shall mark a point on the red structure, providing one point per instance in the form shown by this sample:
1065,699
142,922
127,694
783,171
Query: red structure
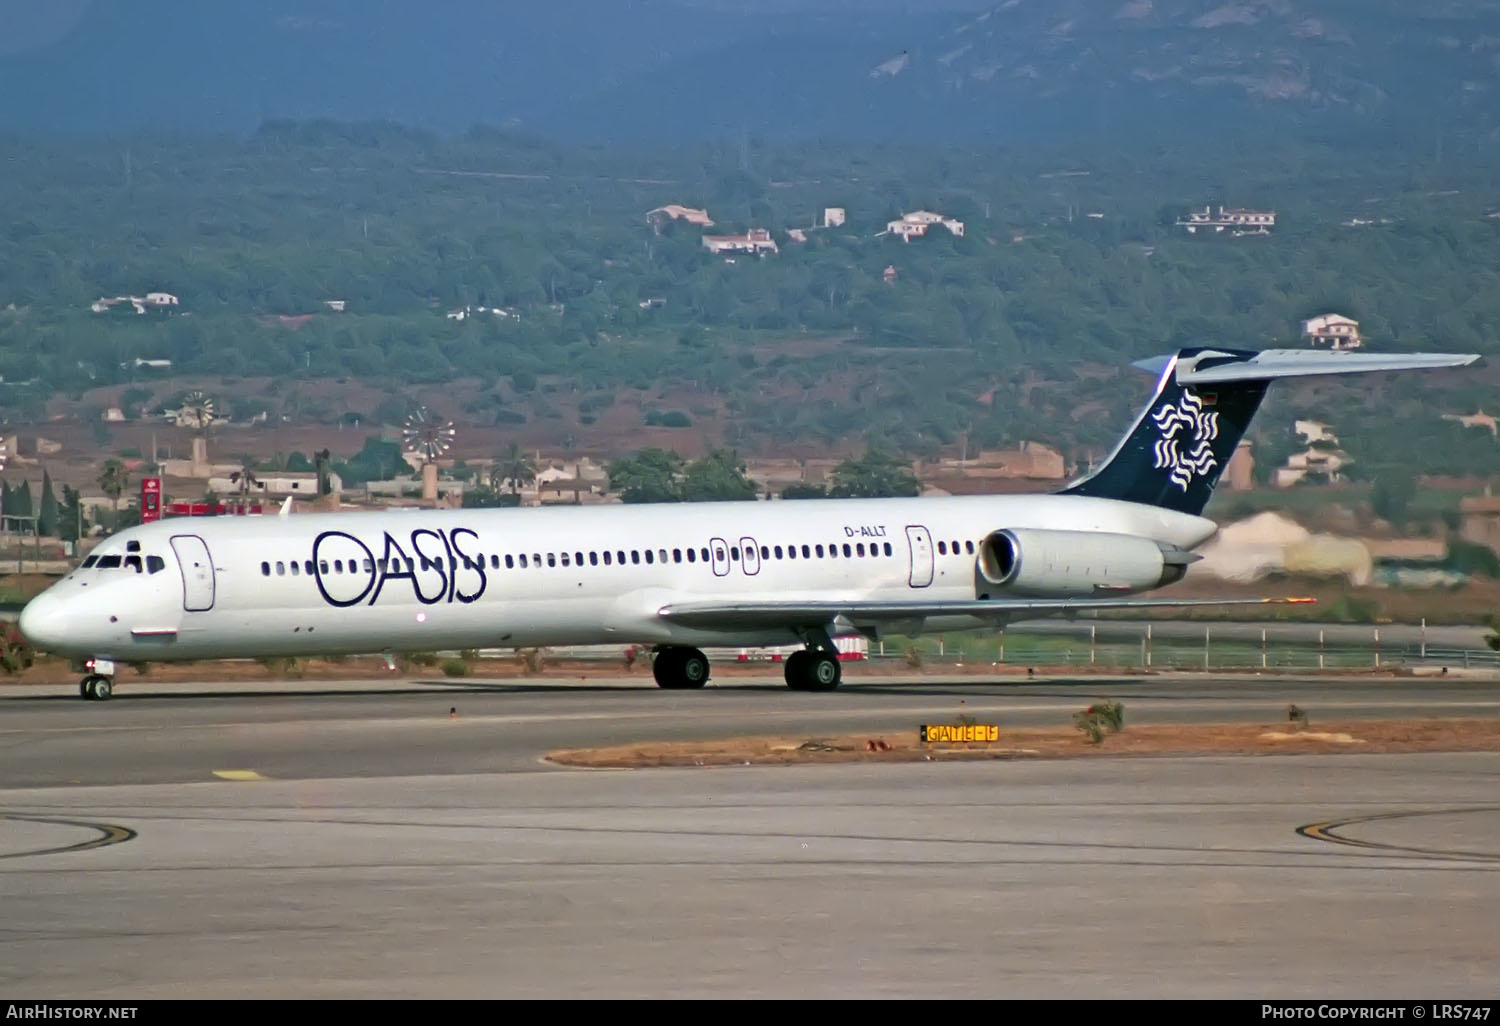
203,509
150,499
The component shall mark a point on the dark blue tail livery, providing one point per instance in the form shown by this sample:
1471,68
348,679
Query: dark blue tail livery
1179,446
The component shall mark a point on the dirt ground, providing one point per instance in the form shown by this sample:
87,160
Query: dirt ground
1364,736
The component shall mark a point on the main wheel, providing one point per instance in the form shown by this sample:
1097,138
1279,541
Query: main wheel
680,668
664,666
102,689
823,672
796,670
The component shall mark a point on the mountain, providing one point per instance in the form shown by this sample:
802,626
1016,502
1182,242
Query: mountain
674,70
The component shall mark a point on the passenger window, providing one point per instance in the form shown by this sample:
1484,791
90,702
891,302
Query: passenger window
719,553
593,558
692,556
833,552
155,564
807,552
606,557
969,547
620,556
536,560
954,548
522,558
942,548
510,561
308,566
778,552
280,568
677,555
661,554
552,559
578,559
648,556
817,548
859,548
295,568
265,568
887,548
847,553
494,561
635,556
564,559
703,552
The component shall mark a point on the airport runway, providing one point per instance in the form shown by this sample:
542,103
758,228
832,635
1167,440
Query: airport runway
367,844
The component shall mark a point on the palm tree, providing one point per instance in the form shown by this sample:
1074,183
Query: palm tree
320,460
113,480
245,478
515,468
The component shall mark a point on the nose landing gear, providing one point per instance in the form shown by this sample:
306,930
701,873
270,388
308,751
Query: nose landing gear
95,688
98,686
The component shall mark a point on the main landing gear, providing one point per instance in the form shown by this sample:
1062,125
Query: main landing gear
95,688
817,667
680,668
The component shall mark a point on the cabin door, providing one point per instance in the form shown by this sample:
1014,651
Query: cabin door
197,572
919,541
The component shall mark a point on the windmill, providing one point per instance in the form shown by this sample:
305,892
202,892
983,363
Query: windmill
428,438
197,412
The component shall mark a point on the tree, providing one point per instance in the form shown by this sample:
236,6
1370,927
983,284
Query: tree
804,490
651,475
1391,494
70,515
513,468
719,476
46,523
873,475
113,480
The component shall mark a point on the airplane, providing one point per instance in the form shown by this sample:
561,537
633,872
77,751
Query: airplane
685,576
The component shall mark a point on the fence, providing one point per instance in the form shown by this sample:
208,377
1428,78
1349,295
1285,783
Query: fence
1087,645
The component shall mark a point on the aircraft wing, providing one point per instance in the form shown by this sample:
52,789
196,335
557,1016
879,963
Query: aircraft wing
816,613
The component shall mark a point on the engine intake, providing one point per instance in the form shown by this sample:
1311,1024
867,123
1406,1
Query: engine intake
1073,564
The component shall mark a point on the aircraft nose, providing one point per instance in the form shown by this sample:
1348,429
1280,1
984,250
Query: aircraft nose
42,623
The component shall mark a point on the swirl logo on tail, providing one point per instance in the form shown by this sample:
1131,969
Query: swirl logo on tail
1185,448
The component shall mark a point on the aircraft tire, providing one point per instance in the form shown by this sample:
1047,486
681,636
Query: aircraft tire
795,670
823,672
680,669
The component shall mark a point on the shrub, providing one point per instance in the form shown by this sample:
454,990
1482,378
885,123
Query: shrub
455,668
1100,719
531,659
424,658
913,656
469,655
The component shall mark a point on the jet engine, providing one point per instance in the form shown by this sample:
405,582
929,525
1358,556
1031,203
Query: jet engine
1074,564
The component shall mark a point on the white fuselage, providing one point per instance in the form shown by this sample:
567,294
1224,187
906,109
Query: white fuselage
410,580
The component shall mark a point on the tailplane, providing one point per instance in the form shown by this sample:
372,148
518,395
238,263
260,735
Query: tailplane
1204,401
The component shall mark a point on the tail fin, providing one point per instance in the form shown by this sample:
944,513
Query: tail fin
1172,457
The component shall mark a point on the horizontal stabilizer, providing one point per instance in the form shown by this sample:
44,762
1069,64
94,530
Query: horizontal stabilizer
792,614
1215,366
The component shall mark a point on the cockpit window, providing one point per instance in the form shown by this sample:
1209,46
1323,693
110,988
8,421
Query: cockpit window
155,564
133,563
90,562
109,562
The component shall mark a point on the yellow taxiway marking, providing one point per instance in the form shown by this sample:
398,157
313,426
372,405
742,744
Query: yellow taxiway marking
238,775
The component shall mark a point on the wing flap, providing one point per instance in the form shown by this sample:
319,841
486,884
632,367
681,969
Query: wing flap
814,613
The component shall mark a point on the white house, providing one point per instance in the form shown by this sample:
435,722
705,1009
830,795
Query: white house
756,240
1333,330
833,217
916,223
1238,220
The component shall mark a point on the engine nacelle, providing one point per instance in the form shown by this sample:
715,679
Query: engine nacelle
1074,564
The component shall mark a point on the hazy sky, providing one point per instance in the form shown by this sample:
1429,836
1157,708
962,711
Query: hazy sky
26,24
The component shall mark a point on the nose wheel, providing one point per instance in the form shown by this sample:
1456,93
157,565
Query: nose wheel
95,688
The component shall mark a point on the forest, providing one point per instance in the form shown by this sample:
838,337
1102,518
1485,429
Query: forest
1071,266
